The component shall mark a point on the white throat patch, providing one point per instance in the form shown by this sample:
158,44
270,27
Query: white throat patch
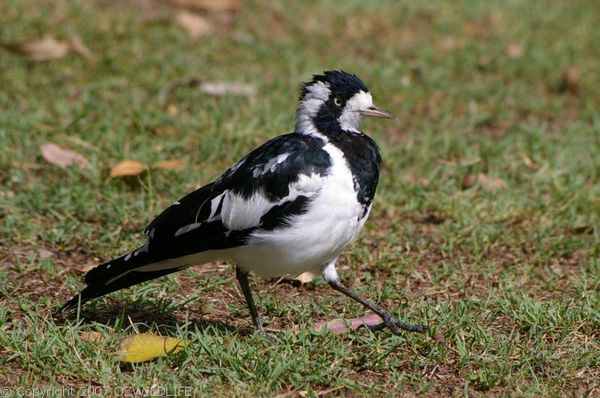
350,117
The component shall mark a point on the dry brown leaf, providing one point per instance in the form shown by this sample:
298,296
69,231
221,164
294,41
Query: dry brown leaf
221,88
487,183
514,50
79,48
48,48
209,5
7,194
468,181
193,24
45,49
570,80
490,183
305,277
476,29
85,267
45,254
127,168
94,337
63,157
338,326
170,164
172,110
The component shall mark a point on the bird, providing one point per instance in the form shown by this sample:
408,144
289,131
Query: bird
290,206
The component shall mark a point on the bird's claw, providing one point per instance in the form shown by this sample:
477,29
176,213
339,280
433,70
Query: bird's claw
267,336
396,326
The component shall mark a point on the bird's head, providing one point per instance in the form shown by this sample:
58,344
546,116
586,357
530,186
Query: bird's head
335,100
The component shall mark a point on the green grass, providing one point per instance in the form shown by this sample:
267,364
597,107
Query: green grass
509,277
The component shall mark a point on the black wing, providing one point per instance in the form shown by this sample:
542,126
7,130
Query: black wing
254,193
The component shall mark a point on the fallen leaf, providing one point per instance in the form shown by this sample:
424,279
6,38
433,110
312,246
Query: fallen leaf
209,5
85,267
583,229
127,168
570,80
468,181
171,164
487,183
448,44
45,254
172,110
490,183
484,61
95,337
221,88
63,157
305,277
194,25
45,49
145,347
529,162
7,194
166,131
79,48
430,218
514,50
212,88
338,326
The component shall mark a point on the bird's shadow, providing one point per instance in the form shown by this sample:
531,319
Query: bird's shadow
148,315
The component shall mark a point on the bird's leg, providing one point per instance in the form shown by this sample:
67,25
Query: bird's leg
242,277
394,324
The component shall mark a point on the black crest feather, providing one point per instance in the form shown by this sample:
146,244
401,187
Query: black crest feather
342,84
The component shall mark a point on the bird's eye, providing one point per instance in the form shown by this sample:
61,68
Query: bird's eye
337,101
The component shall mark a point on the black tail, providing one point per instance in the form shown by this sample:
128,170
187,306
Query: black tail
117,274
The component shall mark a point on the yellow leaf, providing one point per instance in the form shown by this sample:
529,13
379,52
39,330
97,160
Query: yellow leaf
170,164
145,347
127,168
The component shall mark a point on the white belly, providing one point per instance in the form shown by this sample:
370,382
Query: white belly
333,220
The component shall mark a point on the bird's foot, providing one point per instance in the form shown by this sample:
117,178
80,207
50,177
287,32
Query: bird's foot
266,335
395,325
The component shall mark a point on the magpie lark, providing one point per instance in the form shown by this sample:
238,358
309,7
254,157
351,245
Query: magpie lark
290,206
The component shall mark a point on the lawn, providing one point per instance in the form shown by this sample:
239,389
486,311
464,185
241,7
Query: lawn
486,224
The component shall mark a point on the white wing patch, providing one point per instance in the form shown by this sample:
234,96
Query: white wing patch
270,166
187,228
238,213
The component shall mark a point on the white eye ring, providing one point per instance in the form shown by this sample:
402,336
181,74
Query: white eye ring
337,101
